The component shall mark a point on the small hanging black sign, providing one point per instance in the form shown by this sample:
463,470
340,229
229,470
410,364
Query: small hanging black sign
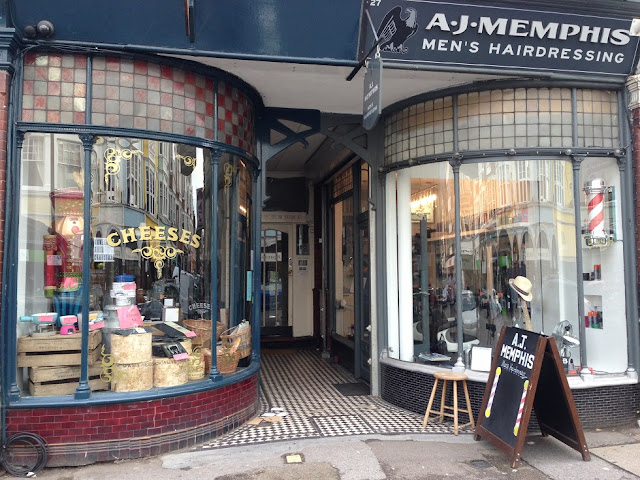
372,104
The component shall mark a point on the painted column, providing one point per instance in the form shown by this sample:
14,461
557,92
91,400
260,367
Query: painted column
84,391
214,373
391,239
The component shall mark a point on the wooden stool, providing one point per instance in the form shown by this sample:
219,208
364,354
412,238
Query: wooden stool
455,378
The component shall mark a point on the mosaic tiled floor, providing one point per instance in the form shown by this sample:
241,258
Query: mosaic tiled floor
301,383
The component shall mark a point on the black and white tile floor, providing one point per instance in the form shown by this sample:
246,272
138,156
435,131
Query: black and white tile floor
301,383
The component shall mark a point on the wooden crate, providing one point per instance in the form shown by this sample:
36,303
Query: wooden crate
57,343
63,388
56,351
52,374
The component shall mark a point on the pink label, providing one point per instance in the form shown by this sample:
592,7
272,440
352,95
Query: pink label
190,334
129,317
45,318
68,319
181,356
96,326
129,286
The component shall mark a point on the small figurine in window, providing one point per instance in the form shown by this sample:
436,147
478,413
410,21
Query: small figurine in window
63,249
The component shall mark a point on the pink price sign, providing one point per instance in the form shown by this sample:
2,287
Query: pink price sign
129,317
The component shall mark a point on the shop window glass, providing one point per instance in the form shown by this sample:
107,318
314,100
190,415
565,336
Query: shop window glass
523,225
364,187
426,252
511,225
144,271
343,183
34,167
603,266
235,203
344,324
225,262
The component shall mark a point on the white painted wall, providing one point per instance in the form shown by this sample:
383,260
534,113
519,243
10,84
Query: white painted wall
300,281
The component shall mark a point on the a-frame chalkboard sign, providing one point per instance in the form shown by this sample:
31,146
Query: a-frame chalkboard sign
527,373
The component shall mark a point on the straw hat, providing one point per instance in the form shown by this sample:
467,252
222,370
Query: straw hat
522,285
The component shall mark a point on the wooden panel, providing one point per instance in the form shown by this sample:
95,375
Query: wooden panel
53,389
57,343
55,359
50,374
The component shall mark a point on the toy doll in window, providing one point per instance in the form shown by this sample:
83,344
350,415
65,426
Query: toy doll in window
63,251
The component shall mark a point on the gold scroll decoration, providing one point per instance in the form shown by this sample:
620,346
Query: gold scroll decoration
113,157
229,171
158,255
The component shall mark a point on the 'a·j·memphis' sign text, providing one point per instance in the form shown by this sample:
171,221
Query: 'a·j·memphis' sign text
418,32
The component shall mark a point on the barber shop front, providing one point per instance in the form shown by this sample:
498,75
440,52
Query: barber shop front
168,192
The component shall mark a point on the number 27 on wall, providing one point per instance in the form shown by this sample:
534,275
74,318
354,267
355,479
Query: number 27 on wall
374,3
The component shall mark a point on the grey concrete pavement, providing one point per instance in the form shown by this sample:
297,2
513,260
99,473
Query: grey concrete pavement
615,455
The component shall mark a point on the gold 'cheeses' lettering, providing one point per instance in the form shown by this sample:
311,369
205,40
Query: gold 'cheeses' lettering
128,235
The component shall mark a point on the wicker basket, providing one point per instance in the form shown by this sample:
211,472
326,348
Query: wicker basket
227,357
244,349
202,329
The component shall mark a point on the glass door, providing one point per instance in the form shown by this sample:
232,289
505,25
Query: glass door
276,271
364,325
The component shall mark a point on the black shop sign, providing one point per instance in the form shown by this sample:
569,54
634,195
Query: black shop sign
527,375
439,35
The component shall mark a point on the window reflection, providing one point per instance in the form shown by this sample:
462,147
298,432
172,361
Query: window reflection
516,219
150,261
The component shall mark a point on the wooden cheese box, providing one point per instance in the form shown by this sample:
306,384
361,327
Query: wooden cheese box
132,377
58,350
53,374
134,348
65,388
51,381
168,372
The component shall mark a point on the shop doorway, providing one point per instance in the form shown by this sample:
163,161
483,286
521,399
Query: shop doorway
349,275
277,269
363,340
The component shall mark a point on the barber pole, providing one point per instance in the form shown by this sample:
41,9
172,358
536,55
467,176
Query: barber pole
487,412
595,190
521,409
595,206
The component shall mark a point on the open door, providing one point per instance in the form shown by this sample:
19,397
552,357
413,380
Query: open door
277,269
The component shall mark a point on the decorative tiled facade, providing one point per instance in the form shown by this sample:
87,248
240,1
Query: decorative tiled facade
236,118
505,118
147,96
136,94
131,430
54,88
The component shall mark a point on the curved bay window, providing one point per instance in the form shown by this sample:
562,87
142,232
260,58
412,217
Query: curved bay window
151,298
470,230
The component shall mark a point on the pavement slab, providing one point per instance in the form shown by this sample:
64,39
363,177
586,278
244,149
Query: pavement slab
626,457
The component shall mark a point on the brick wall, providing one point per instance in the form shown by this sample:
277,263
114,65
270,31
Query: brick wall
597,407
83,435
